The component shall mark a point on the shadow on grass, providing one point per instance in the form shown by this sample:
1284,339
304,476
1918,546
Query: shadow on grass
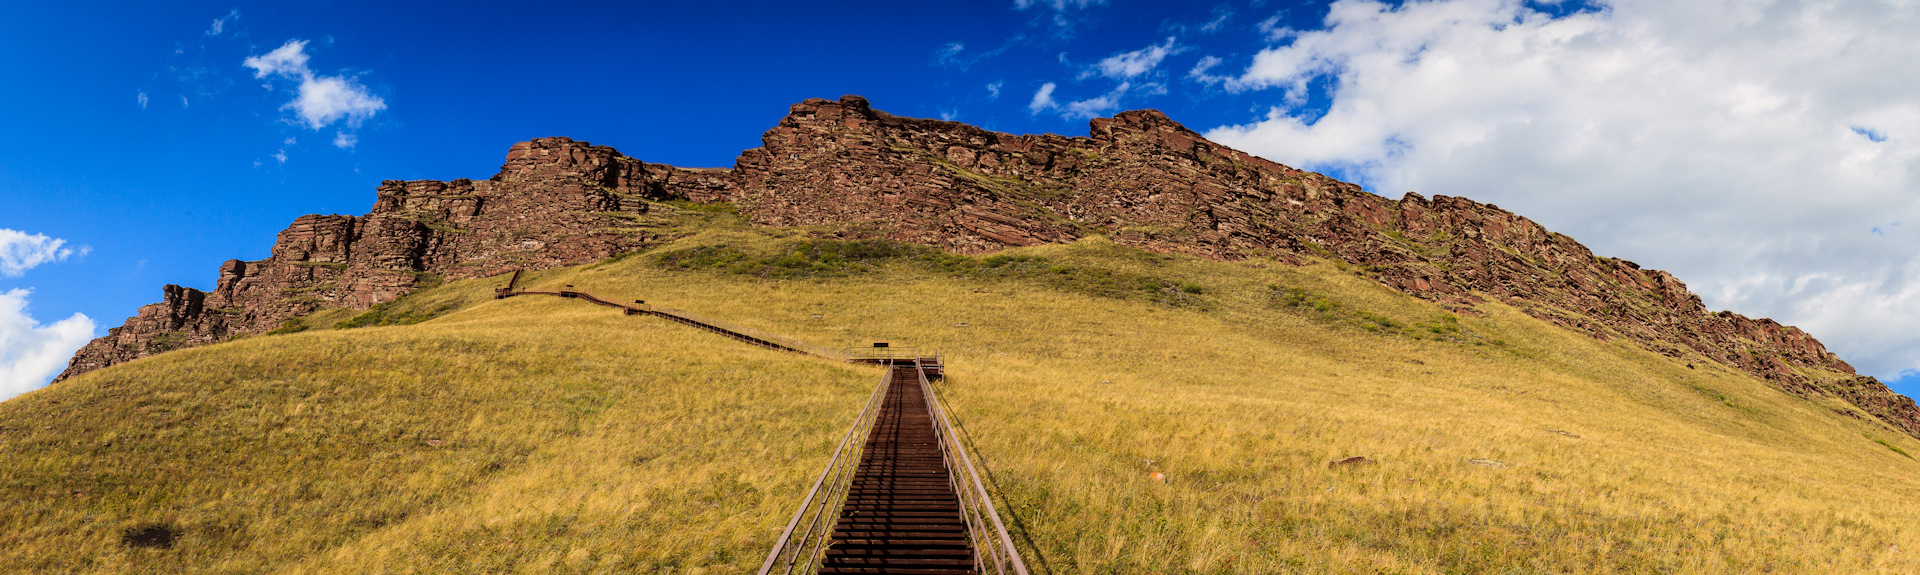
1012,513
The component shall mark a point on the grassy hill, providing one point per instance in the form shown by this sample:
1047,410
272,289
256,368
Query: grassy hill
449,432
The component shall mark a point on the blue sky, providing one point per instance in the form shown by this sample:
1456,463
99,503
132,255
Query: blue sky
138,138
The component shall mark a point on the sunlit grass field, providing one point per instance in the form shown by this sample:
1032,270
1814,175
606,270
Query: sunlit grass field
538,434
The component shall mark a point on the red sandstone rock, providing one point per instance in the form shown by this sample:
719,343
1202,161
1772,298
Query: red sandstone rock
556,202
1145,180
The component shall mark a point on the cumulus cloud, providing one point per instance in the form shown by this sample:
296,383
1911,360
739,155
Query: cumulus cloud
324,100
30,353
290,60
319,100
1751,147
21,251
141,98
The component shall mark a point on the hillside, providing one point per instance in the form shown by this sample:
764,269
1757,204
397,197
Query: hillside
1139,301
850,172
544,434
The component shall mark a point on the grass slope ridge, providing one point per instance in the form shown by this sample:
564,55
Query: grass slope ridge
544,435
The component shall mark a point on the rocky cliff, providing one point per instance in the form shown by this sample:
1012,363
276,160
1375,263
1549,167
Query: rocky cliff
556,202
1145,180
1139,178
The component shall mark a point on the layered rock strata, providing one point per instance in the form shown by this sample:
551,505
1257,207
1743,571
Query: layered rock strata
1139,178
1145,180
556,202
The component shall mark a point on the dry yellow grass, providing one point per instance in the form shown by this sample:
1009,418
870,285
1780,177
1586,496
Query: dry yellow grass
525,435
574,439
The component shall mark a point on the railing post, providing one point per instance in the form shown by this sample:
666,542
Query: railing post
965,477
862,424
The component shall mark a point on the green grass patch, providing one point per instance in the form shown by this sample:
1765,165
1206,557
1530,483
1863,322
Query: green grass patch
723,208
1884,443
291,325
824,258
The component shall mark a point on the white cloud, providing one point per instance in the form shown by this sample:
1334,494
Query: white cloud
30,353
1129,65
20,251
1123,67
1272,30
279,155
1042,99
1221,15
289,141
956,55
1096,106
345,140
319,100
947,53
1751,147
290,60
993,90
1202,70
1091,107
184,103
220,24
141,98
324,100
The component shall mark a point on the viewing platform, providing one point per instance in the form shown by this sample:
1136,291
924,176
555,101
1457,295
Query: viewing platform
930,362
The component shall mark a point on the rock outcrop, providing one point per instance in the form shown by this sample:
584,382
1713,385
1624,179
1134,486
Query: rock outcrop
556,202
1145,180
1139,178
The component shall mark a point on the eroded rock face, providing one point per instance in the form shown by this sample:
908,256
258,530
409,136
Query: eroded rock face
1138,177
1147,181
556,202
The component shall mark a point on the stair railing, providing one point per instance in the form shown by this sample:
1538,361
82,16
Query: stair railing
794,344
808,534
993,550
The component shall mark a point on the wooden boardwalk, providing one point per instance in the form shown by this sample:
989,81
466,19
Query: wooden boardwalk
904,512
901,514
